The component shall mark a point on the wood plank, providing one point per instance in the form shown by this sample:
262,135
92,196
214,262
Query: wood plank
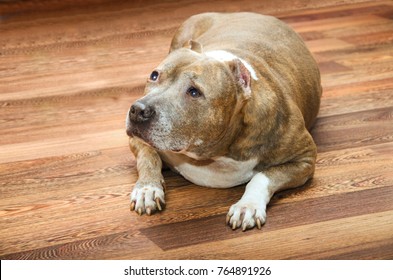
280,216
349,130
336,8
327,44
113,244
206,230
56,147
366,74
356,97
337,13
337,23
331,67
384,37
364,232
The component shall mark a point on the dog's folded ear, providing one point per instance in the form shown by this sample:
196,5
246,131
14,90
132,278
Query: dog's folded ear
242,75
193,45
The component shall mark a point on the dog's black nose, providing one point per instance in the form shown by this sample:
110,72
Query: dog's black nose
140,112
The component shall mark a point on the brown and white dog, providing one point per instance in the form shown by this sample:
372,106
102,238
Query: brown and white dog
231,104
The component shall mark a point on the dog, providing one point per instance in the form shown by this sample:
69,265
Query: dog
232,103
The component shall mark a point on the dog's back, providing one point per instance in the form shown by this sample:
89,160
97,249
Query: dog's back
265,42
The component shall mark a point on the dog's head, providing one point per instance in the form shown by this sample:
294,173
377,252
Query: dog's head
189,102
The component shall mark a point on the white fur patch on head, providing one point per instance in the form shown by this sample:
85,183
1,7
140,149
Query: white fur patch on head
222,55
198,142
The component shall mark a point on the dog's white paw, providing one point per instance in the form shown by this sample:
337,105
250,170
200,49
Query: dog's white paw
147,198
246,215
250,211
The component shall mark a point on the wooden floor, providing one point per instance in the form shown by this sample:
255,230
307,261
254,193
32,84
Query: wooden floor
69,71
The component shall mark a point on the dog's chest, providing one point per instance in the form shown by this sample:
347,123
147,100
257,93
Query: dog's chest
220,172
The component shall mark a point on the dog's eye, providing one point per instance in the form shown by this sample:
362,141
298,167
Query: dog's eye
154,76
194,92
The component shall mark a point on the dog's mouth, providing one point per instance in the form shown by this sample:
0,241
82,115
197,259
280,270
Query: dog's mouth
158,134
142,135
135,132
145,137
129,132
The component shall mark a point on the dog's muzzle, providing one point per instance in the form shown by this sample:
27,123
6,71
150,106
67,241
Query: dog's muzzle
139,118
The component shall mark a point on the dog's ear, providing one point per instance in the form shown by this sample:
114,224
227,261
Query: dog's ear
193,45
242,76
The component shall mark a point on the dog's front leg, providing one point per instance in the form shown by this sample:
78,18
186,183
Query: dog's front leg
250,211
147,195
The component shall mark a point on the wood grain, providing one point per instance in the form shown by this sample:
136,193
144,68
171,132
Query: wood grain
285,215
69,71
